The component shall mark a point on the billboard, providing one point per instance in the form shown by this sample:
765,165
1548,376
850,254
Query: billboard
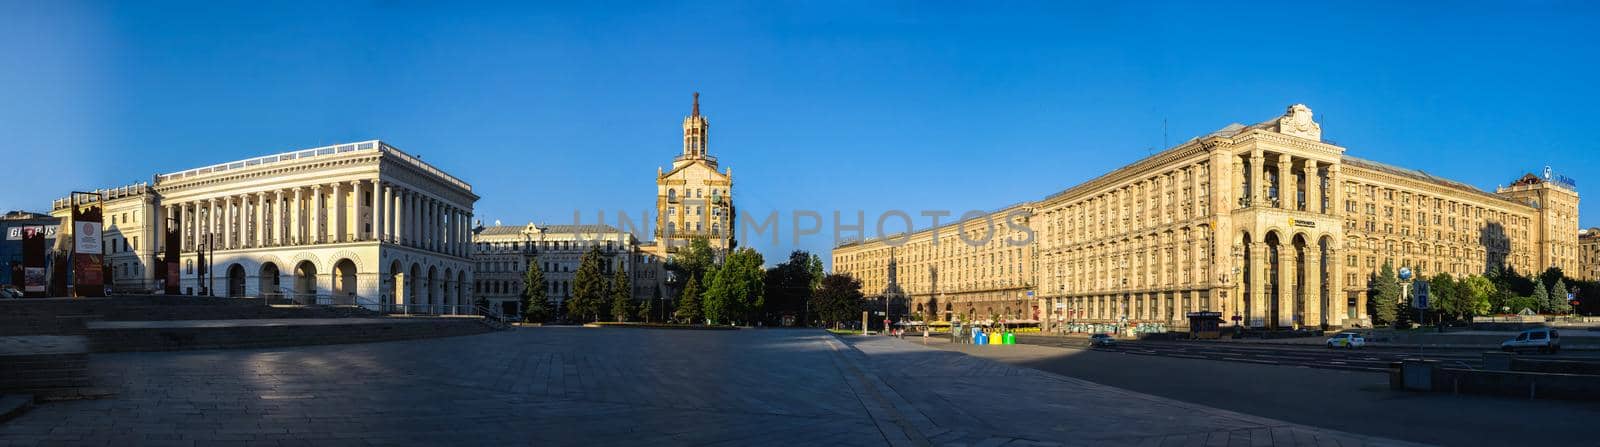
86,238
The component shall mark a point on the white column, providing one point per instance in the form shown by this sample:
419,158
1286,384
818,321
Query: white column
239,218
212,223
227,223
296,220
357,218
431,213
379,205
428,225
277,218
400,216
336,211
319,226
256,215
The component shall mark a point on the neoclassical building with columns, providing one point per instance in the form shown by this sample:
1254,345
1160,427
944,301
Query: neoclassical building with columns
1272,227
358,223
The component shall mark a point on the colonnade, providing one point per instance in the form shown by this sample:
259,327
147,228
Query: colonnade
340,212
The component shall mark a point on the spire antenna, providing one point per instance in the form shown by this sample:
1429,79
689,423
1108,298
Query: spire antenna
696,104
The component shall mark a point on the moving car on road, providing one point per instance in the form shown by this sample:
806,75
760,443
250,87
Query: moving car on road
1103,340
1541,339
1348,340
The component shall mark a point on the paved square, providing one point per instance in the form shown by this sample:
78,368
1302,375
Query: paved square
577,386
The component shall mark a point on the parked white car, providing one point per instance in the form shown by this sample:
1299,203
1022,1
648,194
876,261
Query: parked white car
1348,340
1540,339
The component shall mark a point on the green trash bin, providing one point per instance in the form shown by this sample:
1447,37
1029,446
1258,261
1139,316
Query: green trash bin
1011,338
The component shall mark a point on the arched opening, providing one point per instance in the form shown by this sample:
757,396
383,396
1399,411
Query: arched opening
344,282
305,283
269,286
412,285
1332,313
1298,274
462,292
1273,278
447,289
397,284
1245,305
432,289
235,281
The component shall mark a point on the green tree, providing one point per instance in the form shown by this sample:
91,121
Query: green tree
1445,297
838,299
689,302
647,310
535,304
1476,291
621,296
1540,296
736,292
788,288
1558,298
814,269
694,260
1382,294
588,288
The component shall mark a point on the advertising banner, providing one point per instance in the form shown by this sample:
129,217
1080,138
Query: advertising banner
89,273
86,238
34,281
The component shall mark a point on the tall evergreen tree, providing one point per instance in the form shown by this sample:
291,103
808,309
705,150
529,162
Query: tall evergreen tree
689,302
647,310
1558,297
621,296
535,304
1541,296
1382,295
588,288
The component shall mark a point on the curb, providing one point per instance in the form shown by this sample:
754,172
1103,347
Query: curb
13,405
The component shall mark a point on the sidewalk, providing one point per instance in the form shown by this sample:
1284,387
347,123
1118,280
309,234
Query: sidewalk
946,397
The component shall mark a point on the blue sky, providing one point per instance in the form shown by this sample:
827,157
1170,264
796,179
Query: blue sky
556,107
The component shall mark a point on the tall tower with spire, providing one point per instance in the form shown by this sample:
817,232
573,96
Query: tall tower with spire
693,199
695,128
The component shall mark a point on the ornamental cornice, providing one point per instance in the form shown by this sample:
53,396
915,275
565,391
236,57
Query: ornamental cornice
1356,172
1333,153
1137,170
170,187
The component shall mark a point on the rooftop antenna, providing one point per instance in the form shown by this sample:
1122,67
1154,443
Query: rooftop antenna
1163,132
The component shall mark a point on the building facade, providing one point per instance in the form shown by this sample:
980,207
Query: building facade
359,223
980,267
1589,254
693,199
502,253
1272,227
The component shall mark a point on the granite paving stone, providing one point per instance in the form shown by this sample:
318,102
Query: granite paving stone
597,386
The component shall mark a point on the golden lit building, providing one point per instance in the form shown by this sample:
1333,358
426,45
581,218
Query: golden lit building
1588,255
979,267
1268,225
693,200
